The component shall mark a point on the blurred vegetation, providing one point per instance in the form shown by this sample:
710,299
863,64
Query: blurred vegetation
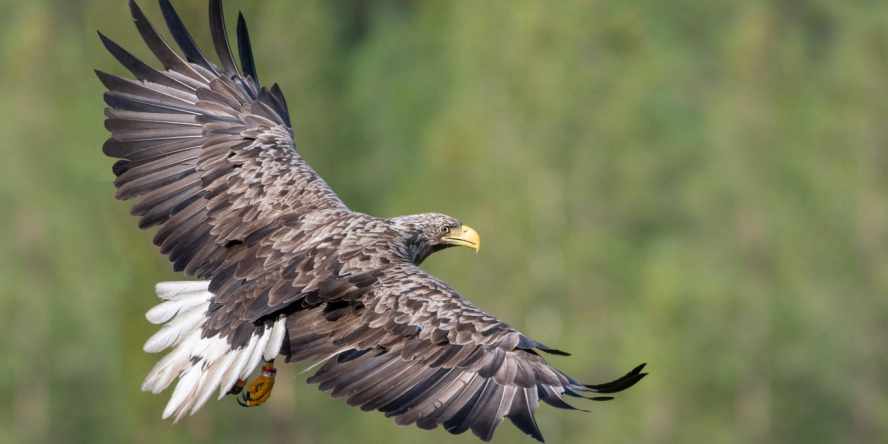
700,185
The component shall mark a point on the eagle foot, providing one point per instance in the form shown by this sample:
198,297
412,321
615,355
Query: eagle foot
260,390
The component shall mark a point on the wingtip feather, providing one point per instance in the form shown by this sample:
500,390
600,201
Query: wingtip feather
245,50
220,38
183,38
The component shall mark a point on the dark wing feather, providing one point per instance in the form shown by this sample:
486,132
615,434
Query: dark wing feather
183,38
457,366
245,51
220,38
171,61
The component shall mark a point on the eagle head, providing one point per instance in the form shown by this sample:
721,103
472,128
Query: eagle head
431,232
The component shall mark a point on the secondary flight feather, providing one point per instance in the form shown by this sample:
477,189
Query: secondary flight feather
286,269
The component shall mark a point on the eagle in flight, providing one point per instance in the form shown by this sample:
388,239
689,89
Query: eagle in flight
286,269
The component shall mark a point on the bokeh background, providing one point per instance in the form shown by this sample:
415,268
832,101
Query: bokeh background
699,185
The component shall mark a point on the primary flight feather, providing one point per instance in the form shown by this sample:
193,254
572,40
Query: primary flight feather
287,269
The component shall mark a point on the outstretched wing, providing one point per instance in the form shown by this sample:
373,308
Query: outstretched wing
416,350
209,151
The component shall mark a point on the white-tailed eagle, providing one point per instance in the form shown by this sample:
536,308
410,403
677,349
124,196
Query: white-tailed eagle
287,269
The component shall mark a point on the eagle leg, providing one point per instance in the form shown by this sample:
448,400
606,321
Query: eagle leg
260,390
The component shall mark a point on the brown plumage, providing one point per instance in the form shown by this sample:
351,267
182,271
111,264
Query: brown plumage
291,269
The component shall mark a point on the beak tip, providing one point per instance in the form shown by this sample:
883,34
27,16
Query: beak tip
467,238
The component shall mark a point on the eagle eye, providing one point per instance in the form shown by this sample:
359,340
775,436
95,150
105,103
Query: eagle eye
444,229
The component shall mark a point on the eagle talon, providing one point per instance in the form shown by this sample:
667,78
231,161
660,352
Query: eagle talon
238,387
246,400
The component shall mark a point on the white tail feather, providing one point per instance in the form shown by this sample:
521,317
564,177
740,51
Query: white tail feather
169,290
165,311
202,364
177,329
274,342
183,391
256,353
233,373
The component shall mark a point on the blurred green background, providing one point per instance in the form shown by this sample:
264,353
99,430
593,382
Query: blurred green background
700,185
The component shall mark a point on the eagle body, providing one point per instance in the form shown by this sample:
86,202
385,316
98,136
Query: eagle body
284,268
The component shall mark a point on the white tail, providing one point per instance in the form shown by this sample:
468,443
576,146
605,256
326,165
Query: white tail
202,364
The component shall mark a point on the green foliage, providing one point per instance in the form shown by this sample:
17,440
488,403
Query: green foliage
697,185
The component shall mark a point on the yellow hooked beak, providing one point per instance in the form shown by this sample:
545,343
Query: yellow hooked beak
465,236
